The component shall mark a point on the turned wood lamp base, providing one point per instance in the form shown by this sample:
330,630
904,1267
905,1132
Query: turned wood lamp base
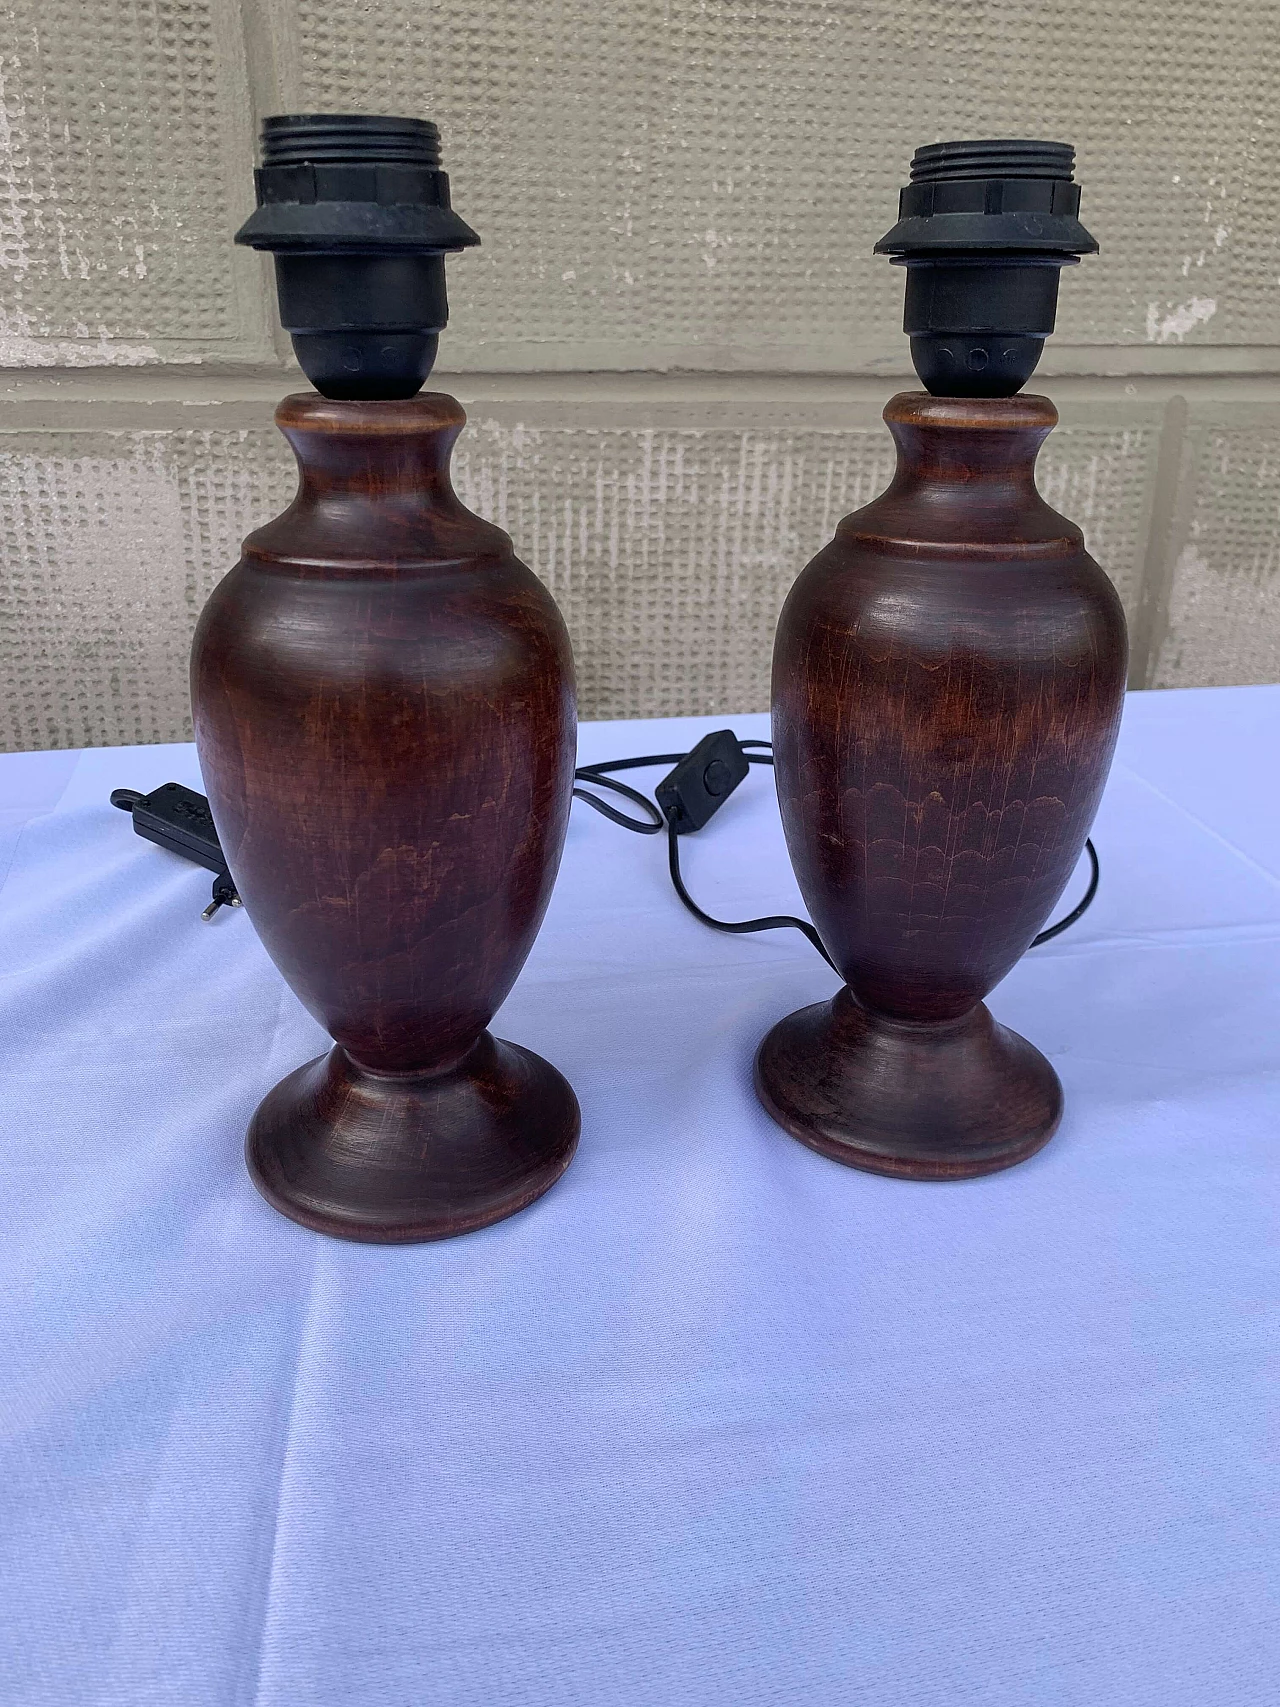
939,1102
400,1159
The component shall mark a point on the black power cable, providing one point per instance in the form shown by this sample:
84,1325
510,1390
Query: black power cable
687,797
703,779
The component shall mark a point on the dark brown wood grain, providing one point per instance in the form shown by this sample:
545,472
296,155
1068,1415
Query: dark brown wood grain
384,711
947,688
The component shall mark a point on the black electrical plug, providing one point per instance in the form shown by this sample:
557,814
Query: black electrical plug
179,819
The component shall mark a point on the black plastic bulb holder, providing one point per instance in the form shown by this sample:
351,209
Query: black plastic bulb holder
356,210
984,230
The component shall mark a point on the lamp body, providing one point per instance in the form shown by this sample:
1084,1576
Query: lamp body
947,689
384,712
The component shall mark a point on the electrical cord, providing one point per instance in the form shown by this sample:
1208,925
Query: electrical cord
673,817
178,819
1081,907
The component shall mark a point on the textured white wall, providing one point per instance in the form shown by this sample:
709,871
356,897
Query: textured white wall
675,340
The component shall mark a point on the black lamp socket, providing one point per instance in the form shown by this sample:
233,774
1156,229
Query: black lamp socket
984,230
356,210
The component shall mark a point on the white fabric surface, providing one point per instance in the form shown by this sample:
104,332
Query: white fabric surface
717,1421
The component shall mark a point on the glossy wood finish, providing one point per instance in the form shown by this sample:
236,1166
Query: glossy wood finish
947,689
383,701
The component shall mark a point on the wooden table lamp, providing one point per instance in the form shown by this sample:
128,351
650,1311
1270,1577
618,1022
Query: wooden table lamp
948,679
384,711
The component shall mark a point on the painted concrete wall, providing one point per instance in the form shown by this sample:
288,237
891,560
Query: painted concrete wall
675,342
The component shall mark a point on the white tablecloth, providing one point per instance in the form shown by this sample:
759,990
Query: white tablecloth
717,1421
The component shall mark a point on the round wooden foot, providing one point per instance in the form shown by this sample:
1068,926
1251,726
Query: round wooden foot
393,1160
941,1101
